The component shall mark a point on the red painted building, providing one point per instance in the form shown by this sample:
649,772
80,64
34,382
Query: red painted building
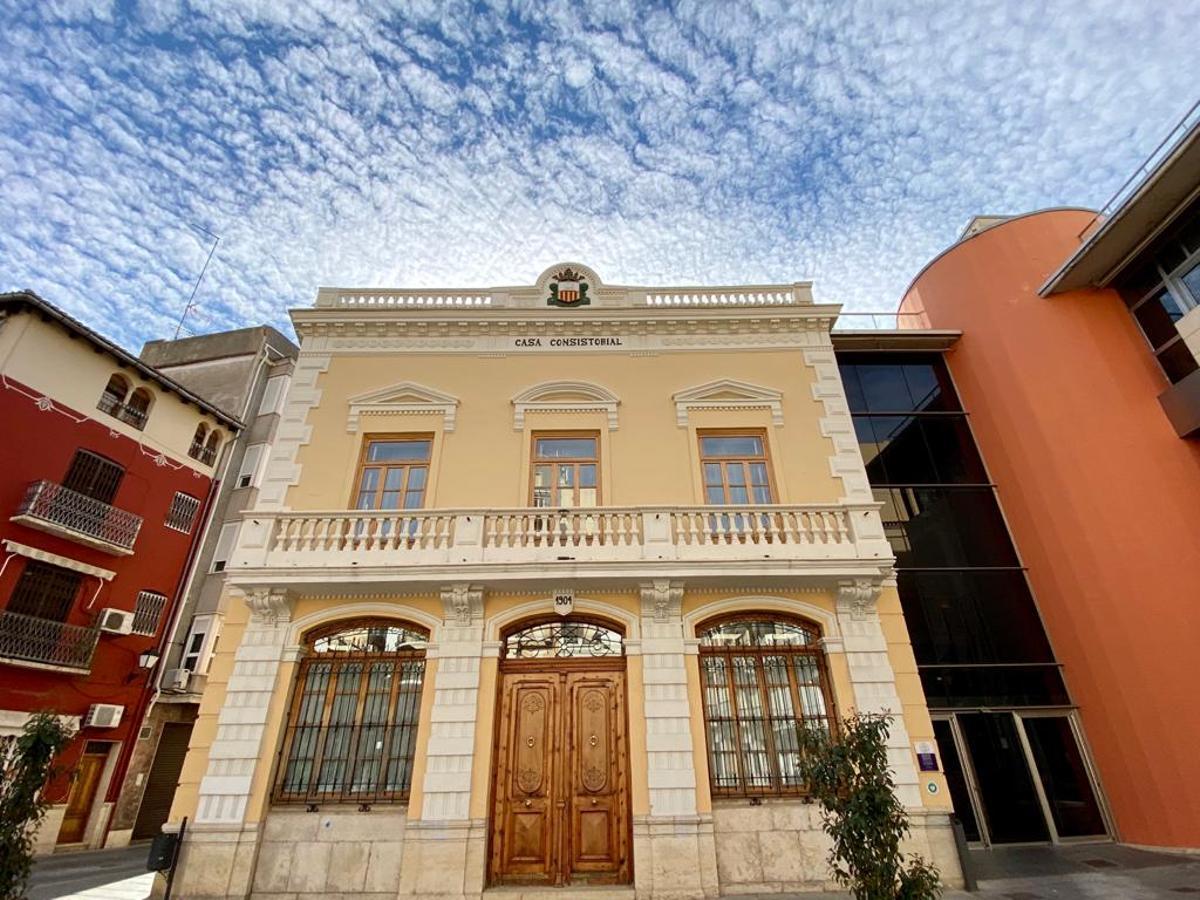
106,472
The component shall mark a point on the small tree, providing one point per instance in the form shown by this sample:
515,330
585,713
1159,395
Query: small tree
23,774
849,776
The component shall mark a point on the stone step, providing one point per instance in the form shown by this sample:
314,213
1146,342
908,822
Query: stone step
585,891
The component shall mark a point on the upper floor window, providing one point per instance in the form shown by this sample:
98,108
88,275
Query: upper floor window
131,407
44,591
147,611
1161,289
273,394
393,473
182,513
565,470
736,469
352,729
196,450
94,476
763,679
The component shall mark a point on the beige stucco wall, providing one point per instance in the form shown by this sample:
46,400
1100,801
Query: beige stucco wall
77,379
648,459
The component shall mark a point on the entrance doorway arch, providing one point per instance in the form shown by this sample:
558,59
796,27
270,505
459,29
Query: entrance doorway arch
560,785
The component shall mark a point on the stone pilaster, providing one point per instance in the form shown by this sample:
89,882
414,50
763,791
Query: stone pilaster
873,679
444,849
220,847
674,853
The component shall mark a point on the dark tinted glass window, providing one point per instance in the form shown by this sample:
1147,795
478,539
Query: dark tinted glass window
917,383
1158,316
972,617
944,527
919,450
965,686
1177,360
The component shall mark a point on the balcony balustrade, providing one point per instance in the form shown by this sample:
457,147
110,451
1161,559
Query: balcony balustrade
457,537
58,510
47,642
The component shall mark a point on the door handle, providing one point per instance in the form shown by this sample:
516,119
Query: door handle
528,803
594,801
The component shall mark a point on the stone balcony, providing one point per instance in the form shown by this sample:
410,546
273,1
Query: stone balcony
530,544
61,511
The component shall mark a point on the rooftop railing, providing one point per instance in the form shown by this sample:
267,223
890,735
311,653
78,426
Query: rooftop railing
46,641
60,510
850,320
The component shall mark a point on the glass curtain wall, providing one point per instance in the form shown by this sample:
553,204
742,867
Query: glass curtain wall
984,659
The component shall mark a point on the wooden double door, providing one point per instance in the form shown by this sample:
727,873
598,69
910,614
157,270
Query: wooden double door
561,791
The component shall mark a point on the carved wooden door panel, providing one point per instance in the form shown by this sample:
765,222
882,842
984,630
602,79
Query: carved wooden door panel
597,799
525,838
561,800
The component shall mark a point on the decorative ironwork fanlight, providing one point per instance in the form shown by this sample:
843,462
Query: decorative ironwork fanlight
371,638
563,640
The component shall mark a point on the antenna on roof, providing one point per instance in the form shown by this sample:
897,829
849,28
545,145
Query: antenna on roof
192,299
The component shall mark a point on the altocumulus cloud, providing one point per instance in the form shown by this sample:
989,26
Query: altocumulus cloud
442,143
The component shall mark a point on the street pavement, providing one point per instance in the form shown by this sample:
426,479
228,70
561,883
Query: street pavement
117,874
1071,872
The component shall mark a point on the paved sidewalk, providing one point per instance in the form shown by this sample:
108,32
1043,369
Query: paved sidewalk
71,874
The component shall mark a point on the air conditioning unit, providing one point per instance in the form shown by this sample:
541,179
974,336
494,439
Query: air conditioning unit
176,679
116,621
103,715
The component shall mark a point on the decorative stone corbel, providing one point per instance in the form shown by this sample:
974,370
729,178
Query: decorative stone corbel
463,603
270,606
662,599
858,598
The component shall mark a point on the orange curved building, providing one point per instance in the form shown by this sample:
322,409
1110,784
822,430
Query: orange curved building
1102,497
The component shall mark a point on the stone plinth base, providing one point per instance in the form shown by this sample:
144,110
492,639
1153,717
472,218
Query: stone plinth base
674,857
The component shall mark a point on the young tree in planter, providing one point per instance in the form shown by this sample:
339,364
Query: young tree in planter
848,775
23,774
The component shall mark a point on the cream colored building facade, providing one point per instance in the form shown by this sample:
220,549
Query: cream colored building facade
621,487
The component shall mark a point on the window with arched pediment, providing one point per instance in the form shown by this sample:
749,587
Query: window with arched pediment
352,727
763,678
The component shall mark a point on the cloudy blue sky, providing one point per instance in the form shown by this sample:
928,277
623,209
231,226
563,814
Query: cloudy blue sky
473,144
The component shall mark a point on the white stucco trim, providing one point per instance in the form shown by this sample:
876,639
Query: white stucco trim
495,625
547,398
738,395
403,398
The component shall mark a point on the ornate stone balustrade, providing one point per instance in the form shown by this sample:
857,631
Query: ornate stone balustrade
353,539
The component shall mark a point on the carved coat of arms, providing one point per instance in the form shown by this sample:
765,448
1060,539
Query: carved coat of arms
568,288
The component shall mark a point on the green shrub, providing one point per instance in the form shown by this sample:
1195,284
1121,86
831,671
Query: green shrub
849,777
22,804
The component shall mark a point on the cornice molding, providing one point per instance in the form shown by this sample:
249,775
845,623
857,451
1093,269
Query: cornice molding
548,397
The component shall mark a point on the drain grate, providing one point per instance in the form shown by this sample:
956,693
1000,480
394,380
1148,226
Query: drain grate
1099,863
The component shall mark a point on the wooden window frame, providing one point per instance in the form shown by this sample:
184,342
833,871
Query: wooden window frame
534,462
363,465
337,661
765,459
103,471
776,787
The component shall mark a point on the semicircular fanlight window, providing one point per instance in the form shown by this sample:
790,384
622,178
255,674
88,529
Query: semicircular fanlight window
758,633
371,638
549,640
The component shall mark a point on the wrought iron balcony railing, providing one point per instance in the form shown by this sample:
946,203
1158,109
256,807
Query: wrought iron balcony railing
45,641
59,510
131,415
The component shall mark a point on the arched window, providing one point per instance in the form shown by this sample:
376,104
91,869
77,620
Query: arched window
197,449
764,678
113,398
561,638
137,408
209,456
352,728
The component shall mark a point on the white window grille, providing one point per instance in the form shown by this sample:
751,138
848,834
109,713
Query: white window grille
182,514
147,611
